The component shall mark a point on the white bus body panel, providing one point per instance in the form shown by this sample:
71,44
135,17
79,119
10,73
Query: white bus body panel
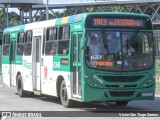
6,74
38,25
48,84
49,78
27,73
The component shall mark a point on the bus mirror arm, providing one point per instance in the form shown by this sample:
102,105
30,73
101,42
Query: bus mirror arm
83,43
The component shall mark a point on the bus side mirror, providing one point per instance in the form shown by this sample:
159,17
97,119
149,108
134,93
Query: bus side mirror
83,43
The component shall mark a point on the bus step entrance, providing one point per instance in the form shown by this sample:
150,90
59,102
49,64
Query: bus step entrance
36,92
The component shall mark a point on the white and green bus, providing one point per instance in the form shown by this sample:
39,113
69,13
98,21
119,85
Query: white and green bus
101,56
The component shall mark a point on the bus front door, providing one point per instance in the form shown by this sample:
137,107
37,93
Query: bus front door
76,82
36,77
12,63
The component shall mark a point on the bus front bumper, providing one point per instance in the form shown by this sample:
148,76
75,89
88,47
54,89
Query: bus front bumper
95,94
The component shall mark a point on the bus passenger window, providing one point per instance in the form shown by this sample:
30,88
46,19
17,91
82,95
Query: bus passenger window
27,49
21,37
60,33
51,41
20,44
63,47
6,50
51,37
51,34
29,36
51,47
7,39
64,32
63,42
28,43
6,44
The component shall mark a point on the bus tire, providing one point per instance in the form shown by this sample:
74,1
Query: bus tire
20,90
63,96
121,103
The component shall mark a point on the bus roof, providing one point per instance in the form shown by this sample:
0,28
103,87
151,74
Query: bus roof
63,20
54,22
14,29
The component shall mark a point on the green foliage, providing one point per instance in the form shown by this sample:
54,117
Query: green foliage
71,11
158,67
158,86
1,16
39,17
57,15
13,17
158,74
106,8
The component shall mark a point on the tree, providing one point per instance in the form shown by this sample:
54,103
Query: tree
13,17
58,14
99,8
1,19
1,15
71,11
113,8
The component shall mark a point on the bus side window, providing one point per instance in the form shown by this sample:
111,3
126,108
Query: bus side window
6,44
60,33
51,41
51,34
64,32
28,43
147,43
63,42
28,36
20,43
7,39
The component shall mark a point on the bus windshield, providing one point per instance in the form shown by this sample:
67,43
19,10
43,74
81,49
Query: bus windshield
119,50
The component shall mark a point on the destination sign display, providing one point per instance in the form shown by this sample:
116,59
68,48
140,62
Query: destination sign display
99,22
118,21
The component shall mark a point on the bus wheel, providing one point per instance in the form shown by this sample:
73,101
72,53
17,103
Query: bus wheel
121,103
20,90
64,97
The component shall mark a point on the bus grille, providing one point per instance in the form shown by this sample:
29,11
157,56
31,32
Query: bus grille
121,78
119,86
121,94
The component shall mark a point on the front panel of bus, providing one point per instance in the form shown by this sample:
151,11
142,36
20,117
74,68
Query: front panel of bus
119,58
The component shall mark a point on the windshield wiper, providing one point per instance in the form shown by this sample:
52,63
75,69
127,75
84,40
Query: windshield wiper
104,39
130,41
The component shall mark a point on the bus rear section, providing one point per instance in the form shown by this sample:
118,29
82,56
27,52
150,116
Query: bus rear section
119,58
11,48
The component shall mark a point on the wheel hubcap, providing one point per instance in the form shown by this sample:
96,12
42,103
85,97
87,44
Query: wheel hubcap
64,94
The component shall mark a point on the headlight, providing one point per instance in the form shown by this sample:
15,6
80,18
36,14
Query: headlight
148,83
93,82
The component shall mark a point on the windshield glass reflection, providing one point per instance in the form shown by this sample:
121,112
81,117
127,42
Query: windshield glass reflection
119,51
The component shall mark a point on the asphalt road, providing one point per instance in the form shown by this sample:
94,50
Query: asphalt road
10,101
